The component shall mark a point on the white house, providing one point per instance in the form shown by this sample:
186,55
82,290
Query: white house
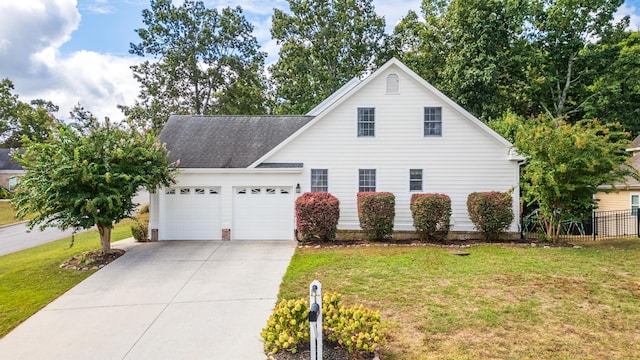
391,131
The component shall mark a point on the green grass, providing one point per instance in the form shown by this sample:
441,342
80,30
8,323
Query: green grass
500,302
30,279
7,213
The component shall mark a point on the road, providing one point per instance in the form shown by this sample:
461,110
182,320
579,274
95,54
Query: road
18,237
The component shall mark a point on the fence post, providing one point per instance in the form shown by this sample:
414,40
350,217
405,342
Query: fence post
594,218
638,223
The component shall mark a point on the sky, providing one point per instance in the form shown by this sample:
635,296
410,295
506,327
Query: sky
77,51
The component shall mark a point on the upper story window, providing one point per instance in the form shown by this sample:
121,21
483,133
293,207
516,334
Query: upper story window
366,122
432,121
635,204
393,84
319,180
415,180
366,180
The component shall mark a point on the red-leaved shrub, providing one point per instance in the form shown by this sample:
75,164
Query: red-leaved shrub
317,215
376,211
431,216
491,212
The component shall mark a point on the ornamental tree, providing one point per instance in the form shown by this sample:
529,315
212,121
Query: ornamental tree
566,164
87,174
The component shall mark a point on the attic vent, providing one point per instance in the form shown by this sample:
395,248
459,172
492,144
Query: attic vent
393,84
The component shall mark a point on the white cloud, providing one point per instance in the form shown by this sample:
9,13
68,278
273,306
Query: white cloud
32,31
632,12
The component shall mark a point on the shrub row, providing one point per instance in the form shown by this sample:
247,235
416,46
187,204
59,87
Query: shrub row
317,214
355,328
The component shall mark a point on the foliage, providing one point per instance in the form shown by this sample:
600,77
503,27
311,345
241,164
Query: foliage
144,209
4,193
317,215
324,44
376,211
287,328
87,175
19,119
491,212
616,89
206,62
431,215
357,327
566,164
140,231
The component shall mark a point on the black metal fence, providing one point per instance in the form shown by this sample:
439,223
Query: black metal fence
600,225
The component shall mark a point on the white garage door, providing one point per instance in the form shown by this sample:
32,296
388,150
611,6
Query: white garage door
263,213
192,213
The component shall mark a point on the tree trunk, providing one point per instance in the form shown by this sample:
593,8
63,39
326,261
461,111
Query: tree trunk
105,238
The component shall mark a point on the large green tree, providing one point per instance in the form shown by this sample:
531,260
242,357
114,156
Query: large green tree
614,94
566,163
324,44
87,174
205,61
19,119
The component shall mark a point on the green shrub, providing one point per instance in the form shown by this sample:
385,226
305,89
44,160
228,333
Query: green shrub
491,212
317,215
376,211
287,328
140,231
431,216
356,328
4,193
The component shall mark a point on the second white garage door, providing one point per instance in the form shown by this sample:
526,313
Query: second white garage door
263,213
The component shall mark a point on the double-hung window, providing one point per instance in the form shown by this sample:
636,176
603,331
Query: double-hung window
366,122
366,180
432,121
415,180
319,180
635,204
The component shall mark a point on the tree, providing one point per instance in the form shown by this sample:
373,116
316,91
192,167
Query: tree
615,92
324,45
562,31
87,175
19,119
566,163
206,61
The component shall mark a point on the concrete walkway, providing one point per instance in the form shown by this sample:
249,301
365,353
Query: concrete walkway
163,300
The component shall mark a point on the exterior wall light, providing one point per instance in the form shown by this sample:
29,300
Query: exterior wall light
298,189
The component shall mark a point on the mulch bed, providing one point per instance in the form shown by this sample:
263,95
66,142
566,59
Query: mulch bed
92,260
446,244
329,352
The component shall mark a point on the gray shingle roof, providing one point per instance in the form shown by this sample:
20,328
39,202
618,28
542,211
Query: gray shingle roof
226,141
7,162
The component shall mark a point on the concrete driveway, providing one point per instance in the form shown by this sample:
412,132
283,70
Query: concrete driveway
163,300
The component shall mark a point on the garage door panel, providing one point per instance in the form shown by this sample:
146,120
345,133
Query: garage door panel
263,213
192,213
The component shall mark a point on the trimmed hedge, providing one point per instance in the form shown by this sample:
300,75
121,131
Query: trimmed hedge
491,212
376,211
317,215
431,216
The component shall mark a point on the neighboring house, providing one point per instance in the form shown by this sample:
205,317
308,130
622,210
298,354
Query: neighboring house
391,131
10,170
626,196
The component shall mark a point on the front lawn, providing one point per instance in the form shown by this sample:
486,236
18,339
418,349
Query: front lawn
31,278
7,213
500,302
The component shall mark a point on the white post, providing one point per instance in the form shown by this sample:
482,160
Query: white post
315,297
